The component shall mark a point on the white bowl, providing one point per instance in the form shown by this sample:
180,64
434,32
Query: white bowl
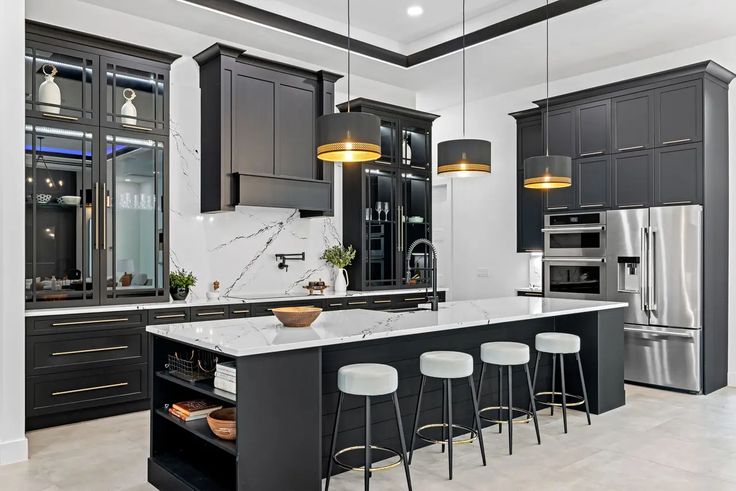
70,200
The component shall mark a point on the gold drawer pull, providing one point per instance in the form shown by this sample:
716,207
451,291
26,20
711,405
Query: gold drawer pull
204,314
135,127
92,321
303,306
241,311
382,301
91,350
357,303
87,389
336,305
412,299
171,316
59,116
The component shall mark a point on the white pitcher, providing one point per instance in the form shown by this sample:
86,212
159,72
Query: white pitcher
341,281
128,108
48,91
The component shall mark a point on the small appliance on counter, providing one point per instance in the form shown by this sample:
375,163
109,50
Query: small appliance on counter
316,287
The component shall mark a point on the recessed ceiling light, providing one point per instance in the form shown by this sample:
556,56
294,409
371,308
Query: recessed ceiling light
415,11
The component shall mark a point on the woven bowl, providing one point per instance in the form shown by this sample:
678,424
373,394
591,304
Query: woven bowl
222,423
297,316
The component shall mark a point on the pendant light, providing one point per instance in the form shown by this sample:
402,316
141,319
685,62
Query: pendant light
463,157
547,171
348,137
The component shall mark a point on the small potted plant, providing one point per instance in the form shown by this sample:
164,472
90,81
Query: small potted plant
179,283
340,257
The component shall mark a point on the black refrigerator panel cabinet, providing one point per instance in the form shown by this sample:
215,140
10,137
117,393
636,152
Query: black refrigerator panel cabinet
633,179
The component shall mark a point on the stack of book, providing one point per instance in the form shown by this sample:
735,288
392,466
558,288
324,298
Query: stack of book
191,410
225,376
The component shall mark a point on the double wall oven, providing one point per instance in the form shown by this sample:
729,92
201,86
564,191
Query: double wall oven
575,255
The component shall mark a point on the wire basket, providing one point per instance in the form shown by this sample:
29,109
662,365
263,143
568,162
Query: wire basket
192,367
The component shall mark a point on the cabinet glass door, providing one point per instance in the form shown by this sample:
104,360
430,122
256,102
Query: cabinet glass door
380,227
415,147
415,216
389,135
60,210
134,97
59,83
133,228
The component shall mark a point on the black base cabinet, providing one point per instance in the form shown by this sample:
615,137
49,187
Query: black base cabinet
656,140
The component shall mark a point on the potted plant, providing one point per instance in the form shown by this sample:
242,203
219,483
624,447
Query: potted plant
340,257
179,283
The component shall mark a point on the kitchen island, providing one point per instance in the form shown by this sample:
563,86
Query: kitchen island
287,387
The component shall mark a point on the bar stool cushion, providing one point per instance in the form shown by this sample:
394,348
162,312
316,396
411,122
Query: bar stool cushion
446,364
557,342
367,379
504,353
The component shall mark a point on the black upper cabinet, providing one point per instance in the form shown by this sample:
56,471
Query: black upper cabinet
679,113
592,128
562,132
259,133
560,199
529,202
632,175
633,122
592,184
678,175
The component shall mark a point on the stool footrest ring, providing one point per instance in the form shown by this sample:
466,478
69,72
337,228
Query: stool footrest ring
455,441
385,467
528,415
575,400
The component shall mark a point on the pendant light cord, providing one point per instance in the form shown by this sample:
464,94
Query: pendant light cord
349,55
463,68
546,126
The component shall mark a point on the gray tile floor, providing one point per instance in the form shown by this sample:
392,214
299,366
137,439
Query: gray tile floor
659,440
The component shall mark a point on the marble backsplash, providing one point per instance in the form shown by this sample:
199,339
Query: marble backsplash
236,248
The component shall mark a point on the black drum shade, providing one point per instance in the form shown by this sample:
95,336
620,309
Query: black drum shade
548,172
348,137
464,157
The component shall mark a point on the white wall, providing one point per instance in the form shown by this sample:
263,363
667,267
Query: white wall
483,211
13,444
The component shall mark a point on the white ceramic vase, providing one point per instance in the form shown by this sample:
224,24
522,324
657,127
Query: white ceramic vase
49,92
129,111
341,281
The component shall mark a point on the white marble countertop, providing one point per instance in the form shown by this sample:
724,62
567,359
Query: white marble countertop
245,298
252,336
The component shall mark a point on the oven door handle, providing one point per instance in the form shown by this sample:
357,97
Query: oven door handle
565,230
574,259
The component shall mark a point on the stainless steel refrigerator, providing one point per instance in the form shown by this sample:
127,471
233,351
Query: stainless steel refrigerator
655,263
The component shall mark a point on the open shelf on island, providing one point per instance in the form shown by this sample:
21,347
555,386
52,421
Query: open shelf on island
189,475
201,429
205,387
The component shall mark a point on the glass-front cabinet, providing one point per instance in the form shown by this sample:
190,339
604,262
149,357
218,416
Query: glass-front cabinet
96,196
387,204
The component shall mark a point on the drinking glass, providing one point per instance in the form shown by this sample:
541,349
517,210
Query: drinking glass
385,209
379,208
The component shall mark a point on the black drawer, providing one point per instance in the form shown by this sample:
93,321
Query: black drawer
64,352
239,310
86,322
358,303
83,389
382,303
168,316
263,309
335,303
209,313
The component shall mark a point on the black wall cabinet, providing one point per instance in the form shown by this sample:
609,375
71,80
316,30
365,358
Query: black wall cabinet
592,182
592,128
679,113
529,202
678,175
258,133
633,122
562,132
632,175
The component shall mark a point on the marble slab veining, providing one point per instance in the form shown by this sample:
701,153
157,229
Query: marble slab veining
252,336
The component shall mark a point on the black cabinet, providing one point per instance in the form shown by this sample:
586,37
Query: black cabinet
259,133
632,175
633,122
529,202
592,128
678,175
679,113
560,199
592,183
387,204
561,133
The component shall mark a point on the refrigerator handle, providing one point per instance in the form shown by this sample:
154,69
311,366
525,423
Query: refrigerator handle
651,275
643,282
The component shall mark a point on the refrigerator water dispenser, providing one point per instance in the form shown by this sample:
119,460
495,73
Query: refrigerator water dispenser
629,274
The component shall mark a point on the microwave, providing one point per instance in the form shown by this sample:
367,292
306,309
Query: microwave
575,277
575,235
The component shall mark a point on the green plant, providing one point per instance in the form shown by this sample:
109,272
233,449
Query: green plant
339,256
182,278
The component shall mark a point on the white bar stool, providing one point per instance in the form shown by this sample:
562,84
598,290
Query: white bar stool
560,343
508,354
447,365
368,380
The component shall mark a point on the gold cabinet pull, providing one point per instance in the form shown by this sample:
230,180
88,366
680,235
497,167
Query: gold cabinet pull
382,301
91,321
170,316
413,299
136,127
205,314
97,216
335,304
87,389
91,350
60,116
241,311
357,303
